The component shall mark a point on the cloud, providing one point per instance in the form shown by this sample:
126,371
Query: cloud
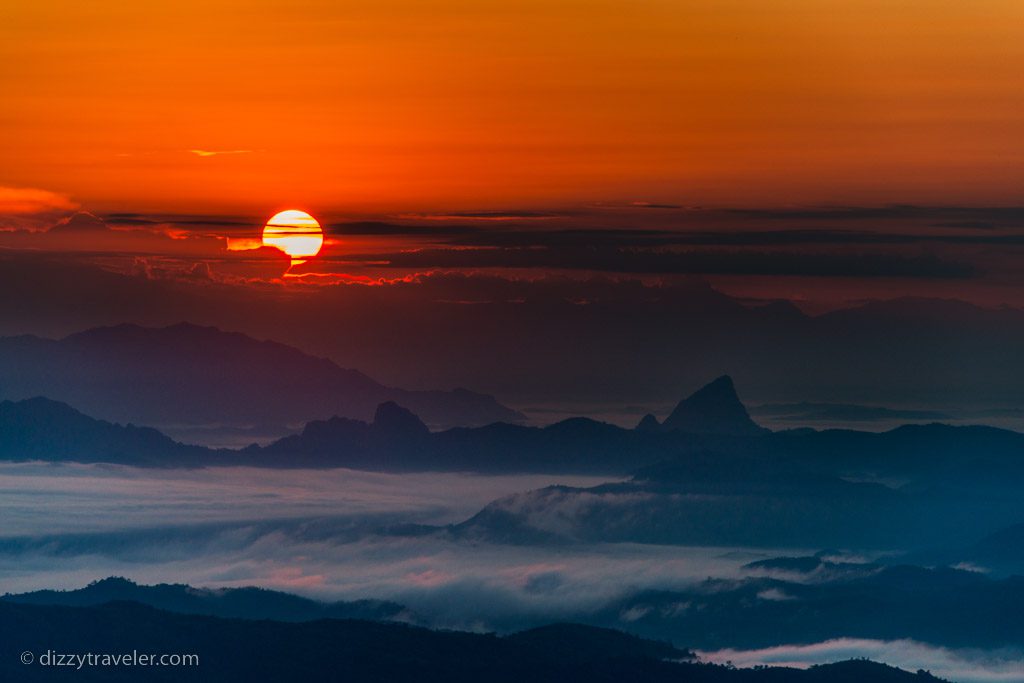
102,494
691,262
342,534
790,237
244,243
652,205
483,216
189,221
963,666
381,228
28,200
213,153
336,534
27,209
775,595
1005,215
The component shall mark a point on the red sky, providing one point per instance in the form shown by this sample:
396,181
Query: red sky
877,144
398,105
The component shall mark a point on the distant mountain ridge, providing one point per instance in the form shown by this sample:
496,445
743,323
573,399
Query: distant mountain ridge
810,598
943,606
398,440
234,603
41,429
230,650
191,375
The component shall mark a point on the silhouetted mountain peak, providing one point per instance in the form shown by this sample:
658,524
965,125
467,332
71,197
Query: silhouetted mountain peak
392,418
713,409
648,423
720,389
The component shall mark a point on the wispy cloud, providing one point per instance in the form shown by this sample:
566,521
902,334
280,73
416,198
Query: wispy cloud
481,216
656,205
29,200
219,152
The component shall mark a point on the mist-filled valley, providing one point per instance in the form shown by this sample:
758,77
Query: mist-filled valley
507,552
700,530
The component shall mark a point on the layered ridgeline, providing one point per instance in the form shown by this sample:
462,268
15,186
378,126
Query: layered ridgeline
233,603
186,378
726,481
396,439
359,650
806,599
708,435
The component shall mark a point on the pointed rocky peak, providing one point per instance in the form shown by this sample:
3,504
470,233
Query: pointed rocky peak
713,409
649,423
393,419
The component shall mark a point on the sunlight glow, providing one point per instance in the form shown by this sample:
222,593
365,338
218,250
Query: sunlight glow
294,232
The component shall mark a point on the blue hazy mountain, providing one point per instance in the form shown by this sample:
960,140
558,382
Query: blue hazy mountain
41,429
191,375
239,603
396,439
362,651
913,487
940,606
1000,553
1002,547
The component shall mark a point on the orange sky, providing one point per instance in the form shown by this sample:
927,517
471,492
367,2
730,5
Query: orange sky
370,105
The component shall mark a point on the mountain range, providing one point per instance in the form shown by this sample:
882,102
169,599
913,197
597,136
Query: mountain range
229,603
708,435
726,482
808,599
184,378
562,341
229,650
396,439
941,606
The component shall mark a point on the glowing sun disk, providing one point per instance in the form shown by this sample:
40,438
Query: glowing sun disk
294,232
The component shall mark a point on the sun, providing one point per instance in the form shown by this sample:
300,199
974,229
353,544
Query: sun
294,232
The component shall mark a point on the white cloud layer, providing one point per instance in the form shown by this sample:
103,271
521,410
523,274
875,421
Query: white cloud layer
962,666
334,534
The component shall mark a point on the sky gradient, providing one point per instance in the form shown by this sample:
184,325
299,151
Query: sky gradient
448,105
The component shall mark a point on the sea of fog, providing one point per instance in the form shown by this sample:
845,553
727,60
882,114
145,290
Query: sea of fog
345,535
329,534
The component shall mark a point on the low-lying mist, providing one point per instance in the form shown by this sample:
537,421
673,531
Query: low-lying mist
334,534
961,665
351,535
